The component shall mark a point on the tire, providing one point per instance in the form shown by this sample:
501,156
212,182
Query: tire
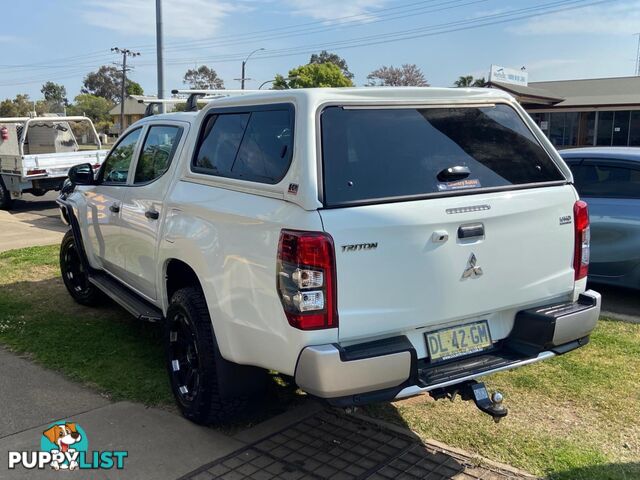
5,196
74,276
204,384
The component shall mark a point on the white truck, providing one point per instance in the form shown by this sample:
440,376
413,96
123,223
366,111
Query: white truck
37,152
372,244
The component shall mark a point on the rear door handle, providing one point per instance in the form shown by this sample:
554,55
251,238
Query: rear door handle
114,207
152,214
471,231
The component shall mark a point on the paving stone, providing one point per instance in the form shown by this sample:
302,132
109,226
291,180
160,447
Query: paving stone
336,446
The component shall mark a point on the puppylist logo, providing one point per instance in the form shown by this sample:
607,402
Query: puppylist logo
64,446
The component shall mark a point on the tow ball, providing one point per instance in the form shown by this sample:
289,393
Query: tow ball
476,391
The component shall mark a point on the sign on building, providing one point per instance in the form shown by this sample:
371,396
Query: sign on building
508,75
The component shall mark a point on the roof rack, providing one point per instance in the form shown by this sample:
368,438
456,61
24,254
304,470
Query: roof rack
152,103
195,95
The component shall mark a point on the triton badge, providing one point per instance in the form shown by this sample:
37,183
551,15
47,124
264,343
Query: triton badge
359,246
472,270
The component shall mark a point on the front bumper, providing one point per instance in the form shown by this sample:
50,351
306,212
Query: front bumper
386,369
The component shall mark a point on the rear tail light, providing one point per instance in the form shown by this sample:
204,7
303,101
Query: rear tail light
306,279
36,171
582,238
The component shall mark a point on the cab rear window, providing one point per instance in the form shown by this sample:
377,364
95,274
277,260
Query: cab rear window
372,154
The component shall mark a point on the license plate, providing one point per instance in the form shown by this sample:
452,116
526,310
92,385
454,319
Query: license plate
458,341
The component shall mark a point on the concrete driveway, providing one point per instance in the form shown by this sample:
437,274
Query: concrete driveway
31,221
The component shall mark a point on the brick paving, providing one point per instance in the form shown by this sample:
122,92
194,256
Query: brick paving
333,445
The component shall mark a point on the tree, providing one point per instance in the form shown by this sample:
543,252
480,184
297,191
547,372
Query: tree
134,88
313,75
55,93
106,82
21,106
480,82
94,107
469,81
204,78
327,57
408,75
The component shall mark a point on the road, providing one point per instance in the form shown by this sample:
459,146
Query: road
619,303
36,221
31,221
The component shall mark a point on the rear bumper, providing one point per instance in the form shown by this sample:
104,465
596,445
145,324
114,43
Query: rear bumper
386,369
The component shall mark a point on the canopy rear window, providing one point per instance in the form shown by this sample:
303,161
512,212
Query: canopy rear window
372,154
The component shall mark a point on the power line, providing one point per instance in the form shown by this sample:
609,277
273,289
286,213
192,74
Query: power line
343,22
274,53
304,31
354,17
407,34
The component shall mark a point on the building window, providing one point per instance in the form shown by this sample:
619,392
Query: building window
542,120
605,128
587,130
621,129
563,129
634,129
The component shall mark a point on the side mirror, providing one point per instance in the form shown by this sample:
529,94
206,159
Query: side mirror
82,174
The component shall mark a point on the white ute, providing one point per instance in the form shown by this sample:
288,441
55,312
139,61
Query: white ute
370,243
37,152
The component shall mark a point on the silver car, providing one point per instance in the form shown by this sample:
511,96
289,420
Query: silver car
608,179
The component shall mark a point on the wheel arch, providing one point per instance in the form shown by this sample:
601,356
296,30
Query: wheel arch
178,274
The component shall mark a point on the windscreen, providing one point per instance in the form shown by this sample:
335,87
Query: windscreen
374,154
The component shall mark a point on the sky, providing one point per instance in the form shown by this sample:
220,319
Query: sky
63,40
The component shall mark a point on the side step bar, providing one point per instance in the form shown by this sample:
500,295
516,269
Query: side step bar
130,301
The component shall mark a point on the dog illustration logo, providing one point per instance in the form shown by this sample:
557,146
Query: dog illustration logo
64,446
67,439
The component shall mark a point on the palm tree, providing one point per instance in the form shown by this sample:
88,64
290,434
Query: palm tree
469,81
479,82
464,81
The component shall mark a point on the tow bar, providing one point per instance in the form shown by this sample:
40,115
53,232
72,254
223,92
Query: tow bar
476,391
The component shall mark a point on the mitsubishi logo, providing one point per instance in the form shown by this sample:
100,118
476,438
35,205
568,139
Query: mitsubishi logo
472,271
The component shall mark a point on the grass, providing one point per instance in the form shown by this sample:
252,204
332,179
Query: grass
575,417
104,348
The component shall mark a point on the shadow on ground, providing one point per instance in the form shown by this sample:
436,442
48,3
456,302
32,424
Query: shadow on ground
31,203
333,445
612,471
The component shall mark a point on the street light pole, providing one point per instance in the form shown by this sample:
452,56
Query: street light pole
244,64
160,54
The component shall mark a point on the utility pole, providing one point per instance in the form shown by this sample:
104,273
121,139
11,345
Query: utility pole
244,64
125,52
160,54
638,56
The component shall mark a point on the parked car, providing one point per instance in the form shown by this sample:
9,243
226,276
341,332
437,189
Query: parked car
37,152
608,178
370,243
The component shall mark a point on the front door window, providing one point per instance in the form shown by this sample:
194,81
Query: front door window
115,170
